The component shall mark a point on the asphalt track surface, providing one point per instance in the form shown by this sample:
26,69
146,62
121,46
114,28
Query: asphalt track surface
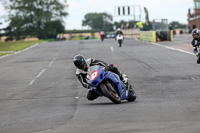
39,92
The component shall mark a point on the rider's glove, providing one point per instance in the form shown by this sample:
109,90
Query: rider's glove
107,68
88,86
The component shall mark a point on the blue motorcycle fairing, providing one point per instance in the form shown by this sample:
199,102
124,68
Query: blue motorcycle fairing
102,75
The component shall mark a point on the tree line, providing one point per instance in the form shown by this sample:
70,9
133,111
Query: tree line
45,18
40,18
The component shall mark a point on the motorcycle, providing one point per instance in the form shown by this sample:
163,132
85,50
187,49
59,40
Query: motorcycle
102,37
120,39
108,84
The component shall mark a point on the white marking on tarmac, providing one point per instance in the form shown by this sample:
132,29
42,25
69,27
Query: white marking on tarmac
42,131
42,71
111,48
136,39
193,79
172,48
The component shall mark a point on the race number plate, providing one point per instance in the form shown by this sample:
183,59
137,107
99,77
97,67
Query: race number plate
94,75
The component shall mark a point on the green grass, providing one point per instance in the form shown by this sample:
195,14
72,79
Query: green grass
82,38
93,38
50,40
15,46
2,54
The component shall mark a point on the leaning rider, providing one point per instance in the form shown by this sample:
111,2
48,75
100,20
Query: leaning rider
81,72
196,43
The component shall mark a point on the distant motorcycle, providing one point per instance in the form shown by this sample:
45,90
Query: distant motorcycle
102,37
108,84
120,39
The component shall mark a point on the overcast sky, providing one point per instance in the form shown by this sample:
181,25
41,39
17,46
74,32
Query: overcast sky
173,10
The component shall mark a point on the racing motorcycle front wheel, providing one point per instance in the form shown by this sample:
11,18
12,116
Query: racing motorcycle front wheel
109,91
120,43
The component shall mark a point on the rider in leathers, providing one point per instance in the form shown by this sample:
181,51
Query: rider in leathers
118,32
81,72
196,43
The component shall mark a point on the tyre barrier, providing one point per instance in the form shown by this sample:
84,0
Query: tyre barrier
152,37
178,32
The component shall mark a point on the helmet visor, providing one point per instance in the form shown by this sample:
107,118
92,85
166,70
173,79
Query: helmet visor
81,65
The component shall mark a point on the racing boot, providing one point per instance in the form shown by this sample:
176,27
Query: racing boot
131,88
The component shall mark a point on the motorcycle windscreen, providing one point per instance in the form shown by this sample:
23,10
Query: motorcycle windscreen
119,37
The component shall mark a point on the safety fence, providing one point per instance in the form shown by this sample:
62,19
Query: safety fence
148,36
131,33
151,36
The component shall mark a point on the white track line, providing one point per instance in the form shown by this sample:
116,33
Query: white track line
172,48
111,48
43,131
42,71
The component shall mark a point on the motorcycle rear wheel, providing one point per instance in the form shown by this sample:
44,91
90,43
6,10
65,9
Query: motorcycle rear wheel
198,60
113,96
132,95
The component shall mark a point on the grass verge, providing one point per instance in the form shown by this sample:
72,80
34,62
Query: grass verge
15,46
2,54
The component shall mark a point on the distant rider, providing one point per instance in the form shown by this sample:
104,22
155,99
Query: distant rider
102,33
118,32
81,72
196,43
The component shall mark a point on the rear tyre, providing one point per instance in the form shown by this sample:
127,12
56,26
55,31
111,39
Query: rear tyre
132,95
110,94
198,60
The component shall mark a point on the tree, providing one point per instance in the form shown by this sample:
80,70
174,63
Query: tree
98,21
176,24
34,18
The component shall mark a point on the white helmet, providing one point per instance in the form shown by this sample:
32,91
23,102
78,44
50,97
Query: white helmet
196,33
118,29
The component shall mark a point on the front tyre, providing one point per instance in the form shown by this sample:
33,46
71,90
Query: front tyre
102,38
120,43
110,94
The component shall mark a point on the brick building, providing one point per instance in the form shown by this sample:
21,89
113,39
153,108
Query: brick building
194,15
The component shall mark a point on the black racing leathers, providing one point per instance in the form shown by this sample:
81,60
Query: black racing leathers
195,43
119,32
